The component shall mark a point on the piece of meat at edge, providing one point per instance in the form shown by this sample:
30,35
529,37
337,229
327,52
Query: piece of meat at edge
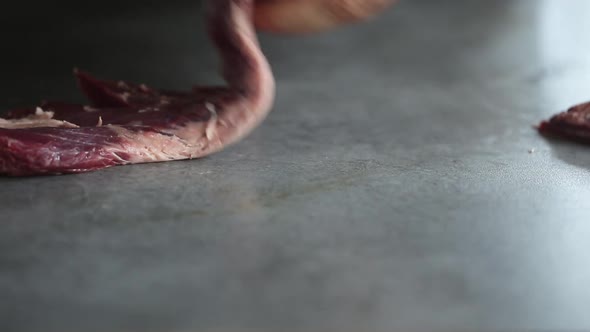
573,124
181,125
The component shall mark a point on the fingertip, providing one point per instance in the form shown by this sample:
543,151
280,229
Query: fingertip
306,16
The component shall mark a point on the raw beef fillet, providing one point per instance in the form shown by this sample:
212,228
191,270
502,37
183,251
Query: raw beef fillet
574,124
128,123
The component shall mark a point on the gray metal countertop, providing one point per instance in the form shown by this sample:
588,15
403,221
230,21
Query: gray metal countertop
398,182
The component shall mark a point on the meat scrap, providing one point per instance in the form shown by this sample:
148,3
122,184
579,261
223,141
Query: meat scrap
128,123
573,124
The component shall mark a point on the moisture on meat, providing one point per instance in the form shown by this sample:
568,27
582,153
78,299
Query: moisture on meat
128,123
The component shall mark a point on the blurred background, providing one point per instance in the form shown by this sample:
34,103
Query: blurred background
398,183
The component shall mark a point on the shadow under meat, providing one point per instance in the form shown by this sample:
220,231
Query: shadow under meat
573,153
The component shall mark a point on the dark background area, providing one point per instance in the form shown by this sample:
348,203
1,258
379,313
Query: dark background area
44,41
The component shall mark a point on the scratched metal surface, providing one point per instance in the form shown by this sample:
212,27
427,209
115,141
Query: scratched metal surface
397,184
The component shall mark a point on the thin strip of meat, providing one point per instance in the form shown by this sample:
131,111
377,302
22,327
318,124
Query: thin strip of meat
129,123
574,124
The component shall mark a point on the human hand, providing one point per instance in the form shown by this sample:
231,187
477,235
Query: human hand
307,16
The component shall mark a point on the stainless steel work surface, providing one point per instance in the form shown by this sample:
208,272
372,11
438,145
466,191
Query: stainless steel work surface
398,183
